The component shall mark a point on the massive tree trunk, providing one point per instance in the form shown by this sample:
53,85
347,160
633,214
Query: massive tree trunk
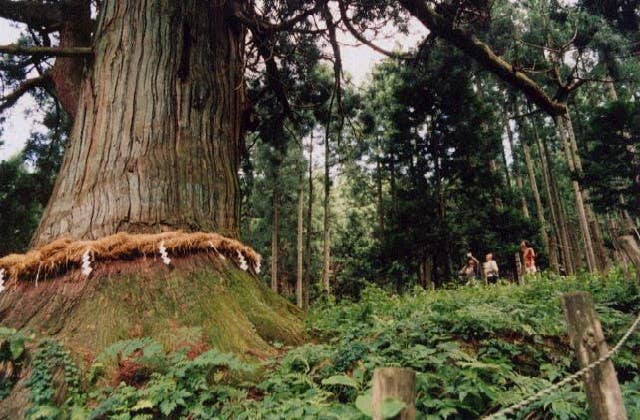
156,140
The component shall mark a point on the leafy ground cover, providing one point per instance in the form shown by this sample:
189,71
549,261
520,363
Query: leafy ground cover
474,349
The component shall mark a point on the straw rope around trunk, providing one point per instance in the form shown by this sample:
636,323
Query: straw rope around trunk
65,254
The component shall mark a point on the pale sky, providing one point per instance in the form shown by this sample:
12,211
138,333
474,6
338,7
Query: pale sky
358,60
17,126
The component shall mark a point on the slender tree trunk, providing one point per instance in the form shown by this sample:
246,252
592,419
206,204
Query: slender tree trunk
275,230
578,196
555,242
633,156
555,200
574,238
326,252
614,233
505,165
553,261
497,201
300,244
156,141
594,225
392,183
602,257
379,209
516,172
611,89
307,251
445,251
425,272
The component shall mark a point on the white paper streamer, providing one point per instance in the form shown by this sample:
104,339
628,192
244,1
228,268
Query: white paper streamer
164,255
243,263
258,264
86,263
217,252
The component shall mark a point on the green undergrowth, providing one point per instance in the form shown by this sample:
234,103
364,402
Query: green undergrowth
475,349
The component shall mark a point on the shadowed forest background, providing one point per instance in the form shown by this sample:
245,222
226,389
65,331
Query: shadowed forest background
431,158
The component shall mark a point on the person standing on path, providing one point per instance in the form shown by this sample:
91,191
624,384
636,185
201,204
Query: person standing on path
529,257
490,269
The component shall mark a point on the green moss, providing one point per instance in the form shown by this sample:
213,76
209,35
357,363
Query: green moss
221,305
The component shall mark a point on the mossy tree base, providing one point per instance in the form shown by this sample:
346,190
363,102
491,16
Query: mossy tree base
199,299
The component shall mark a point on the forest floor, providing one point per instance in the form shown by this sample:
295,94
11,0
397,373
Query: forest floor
475,349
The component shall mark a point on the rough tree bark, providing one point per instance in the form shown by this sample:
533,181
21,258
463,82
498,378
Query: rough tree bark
156,140
72,21
68,72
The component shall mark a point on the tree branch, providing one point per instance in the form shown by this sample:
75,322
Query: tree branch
357,35
273,73
33,13
259,23
9,100
16,49
481,52
337,56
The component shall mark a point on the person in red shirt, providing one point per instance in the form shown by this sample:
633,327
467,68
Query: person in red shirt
529,257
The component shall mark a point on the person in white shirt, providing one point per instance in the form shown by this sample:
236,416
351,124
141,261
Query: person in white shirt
490,269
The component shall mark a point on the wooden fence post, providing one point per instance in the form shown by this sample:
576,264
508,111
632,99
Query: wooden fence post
519,271
396,383
587,339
